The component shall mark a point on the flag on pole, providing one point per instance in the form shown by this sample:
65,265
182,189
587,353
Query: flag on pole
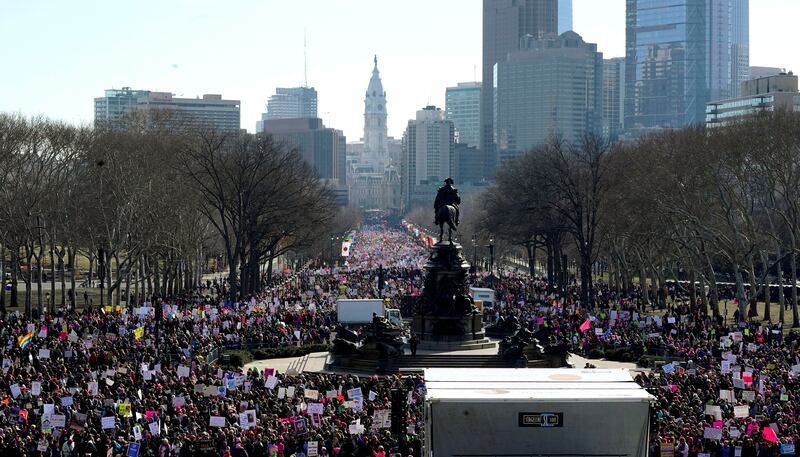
25,339
769,435
586,325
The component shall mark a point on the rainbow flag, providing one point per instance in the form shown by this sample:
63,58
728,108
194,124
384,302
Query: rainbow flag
25,339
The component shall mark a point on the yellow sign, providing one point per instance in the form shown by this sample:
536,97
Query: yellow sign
125,409
138,333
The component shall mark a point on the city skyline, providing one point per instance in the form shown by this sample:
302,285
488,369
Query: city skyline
77,63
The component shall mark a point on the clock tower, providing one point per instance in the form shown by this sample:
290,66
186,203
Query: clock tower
375,132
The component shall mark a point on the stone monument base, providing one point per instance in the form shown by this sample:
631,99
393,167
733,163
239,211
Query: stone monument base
450,333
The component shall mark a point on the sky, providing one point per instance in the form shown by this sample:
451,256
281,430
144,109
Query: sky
56,56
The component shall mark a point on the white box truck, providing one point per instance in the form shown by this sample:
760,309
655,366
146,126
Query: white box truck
534,412
484,296
359,312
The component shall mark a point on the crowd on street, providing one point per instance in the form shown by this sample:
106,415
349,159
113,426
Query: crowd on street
728,388
118,381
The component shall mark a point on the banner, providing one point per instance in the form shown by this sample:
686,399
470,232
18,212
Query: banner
345,249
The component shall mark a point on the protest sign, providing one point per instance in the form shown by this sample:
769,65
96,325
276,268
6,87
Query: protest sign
247,419
354,393
712,433
216,421
109,422
58,420
315,408
133,450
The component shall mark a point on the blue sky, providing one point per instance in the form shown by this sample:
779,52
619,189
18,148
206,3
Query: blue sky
57,55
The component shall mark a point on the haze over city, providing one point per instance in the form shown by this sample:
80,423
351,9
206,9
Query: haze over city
58,56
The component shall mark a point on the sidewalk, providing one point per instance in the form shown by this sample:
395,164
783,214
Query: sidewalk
313,363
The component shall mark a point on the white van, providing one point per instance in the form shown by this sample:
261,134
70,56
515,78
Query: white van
485,296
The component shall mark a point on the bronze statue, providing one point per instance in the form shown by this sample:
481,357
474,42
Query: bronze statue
446,209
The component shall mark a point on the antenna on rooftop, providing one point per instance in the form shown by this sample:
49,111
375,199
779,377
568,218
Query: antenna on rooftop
474,72
305,60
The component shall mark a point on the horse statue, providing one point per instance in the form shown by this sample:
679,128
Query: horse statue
446,208
446,215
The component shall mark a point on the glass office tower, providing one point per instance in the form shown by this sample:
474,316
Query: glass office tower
564,16
680,55
463,107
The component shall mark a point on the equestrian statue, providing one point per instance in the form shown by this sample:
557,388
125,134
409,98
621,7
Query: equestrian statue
446,208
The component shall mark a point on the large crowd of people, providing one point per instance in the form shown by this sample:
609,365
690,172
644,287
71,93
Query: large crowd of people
120,382
116,381
729,387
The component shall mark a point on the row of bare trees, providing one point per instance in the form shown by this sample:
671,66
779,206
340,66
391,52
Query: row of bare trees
148,203
695,206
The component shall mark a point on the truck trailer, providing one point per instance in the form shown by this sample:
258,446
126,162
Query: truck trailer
360,312
534,412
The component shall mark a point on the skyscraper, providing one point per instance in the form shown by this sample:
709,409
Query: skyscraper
209,111
740,44
680,54
290,103
553,86
323,148
463,107
564,16
613,97
730,46
504,23
428,145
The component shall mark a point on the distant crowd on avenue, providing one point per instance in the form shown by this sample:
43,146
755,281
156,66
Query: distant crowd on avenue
114,381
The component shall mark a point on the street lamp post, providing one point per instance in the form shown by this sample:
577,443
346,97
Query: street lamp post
40,266
381,281
491,256
474,257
